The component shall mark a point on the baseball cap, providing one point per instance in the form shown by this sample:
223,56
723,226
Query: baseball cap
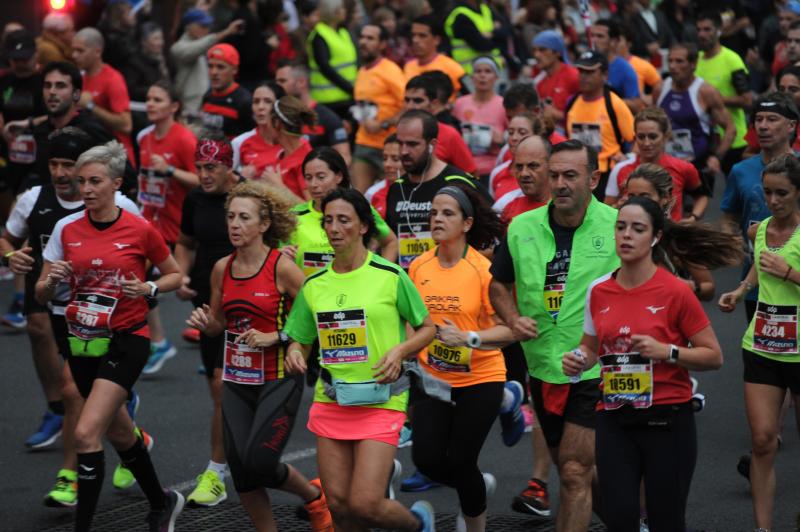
20,44
591,60
224,52
197,15
791,5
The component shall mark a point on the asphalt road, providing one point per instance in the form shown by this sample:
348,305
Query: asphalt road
175,410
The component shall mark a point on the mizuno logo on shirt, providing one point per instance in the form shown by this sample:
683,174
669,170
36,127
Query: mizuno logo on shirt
97,262
604,310
73,244
86,468
45,211
654,309
624,330
121,246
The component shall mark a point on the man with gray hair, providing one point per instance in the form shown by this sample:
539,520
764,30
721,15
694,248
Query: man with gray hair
55,42
105,94
293,78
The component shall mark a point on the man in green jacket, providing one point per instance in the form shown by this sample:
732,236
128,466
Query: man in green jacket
540,277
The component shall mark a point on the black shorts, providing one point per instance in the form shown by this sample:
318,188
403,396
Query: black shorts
580,409
256,424
60,332
763,370
30,305
126,357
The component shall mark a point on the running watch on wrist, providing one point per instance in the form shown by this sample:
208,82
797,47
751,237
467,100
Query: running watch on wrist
283,337
170,171
473,339
674,352
153,288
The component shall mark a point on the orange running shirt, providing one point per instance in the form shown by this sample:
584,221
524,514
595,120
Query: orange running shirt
645,71
588,121
441,62
382,86
461,295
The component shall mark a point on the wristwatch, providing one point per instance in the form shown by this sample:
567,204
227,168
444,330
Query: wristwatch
90,106
170,171
153,288
473,339
283,337
386,125
674,353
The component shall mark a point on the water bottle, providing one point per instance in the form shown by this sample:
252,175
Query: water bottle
580,354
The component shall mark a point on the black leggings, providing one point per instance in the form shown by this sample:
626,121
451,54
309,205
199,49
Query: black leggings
629,450
448,439
256,424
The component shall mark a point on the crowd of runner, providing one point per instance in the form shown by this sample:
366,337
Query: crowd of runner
435,213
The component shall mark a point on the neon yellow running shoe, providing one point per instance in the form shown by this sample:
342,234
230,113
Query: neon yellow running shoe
123,477
65,492
210,491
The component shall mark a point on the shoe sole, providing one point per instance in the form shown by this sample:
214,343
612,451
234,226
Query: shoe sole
155,368
525,508
50,441
123,488
191,503
417,489
18,326
53,503
176,512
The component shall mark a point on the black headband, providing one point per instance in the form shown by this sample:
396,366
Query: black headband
461,198
771,106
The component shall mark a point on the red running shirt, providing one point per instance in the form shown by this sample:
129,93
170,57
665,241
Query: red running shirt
161,196
109,91
255,303
102,258
558,87
250,149
664,307
452,149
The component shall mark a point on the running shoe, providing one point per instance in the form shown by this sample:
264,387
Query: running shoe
533,500
15,317
491,485
48,432
397,470
164,520
511,420
318,512
191,335
418,482
65,491
6,274
123,477
133,404
405,437
424,512
210,491
159,355
528,416
743,466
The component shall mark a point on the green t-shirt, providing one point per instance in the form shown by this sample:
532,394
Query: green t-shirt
356,326
772,332
313,250
718,72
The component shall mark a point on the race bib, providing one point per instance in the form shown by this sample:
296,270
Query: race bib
627,379
22,149
242,364
413,242
152,189
314,262
477,136
680,145
363,111
449,359
588,133
342,336
775,330
553,295
88,315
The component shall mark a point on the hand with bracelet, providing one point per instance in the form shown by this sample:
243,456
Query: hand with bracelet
60,270
135,288
19,261
775,265
728,300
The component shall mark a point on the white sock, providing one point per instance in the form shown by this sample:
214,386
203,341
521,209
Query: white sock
217,468
508,401
162,343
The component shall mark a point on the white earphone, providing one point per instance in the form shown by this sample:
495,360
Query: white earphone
430,149
655,241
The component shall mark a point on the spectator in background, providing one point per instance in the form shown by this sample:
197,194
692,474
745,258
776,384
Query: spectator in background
680,19
188,53
146,66
55,41
555,79
332,58
649,27
278,38
483,118
379,100
472,32
105,94
329,130
426,38
250,41
226,106
118,26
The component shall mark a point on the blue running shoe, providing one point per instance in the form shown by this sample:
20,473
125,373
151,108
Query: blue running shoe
423,510
418,482
159,355
48,432
405,437
15,317
511,420
133,404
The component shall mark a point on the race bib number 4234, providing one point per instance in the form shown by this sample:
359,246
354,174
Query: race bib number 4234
775,329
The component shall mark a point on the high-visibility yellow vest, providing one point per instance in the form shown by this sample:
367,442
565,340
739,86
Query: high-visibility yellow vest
343,61
461,50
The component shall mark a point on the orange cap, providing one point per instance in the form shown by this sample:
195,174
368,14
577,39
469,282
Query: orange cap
224,52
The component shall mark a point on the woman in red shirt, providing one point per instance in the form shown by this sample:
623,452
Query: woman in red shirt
103,252
253,150
647,329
